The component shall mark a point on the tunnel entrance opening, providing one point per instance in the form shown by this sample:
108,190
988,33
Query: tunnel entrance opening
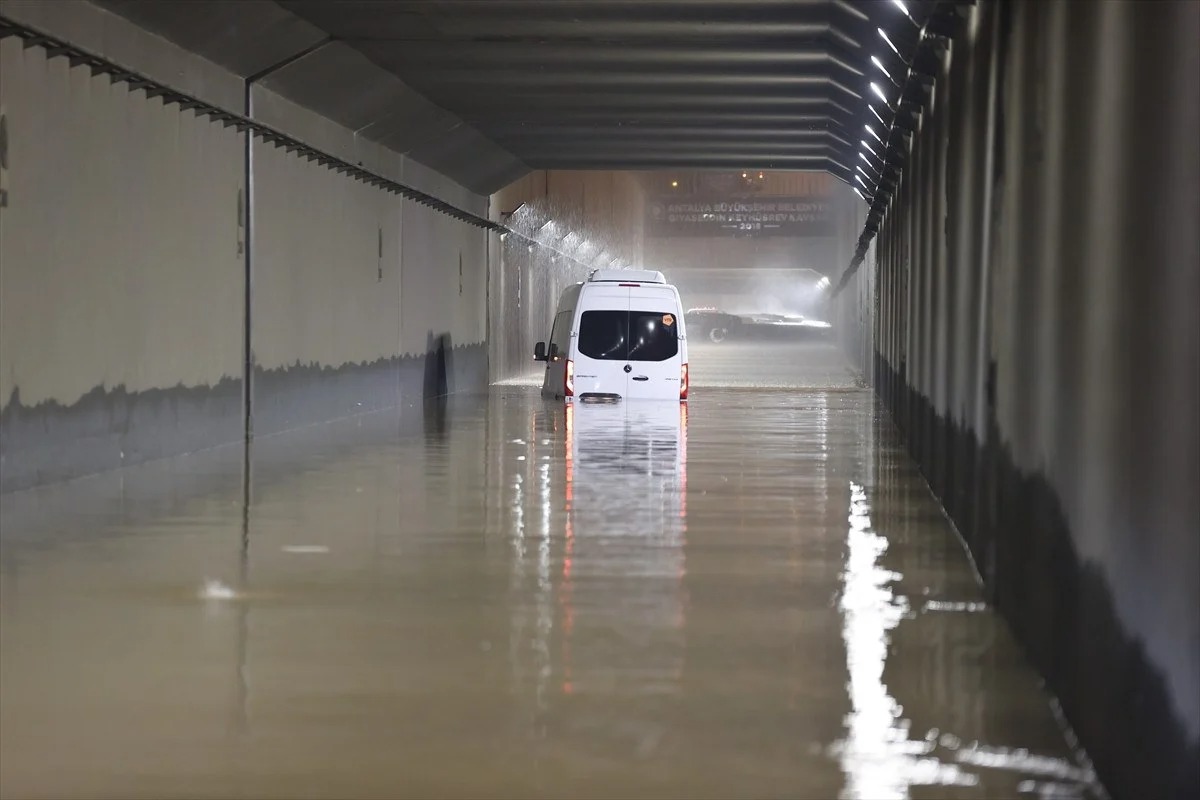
752,253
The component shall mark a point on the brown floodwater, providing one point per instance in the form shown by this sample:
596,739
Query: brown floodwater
750,595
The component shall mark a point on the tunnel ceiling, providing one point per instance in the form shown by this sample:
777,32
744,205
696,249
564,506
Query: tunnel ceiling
634,84
484,90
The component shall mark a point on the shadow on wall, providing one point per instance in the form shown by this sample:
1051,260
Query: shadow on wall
439,366
439,369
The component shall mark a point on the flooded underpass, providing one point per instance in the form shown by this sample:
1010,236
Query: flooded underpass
750,595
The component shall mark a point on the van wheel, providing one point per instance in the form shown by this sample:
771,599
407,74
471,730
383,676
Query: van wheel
717,335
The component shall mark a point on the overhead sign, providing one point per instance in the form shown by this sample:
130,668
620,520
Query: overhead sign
692,215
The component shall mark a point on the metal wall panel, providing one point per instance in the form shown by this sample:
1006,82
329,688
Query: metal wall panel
121,220
327,271
1037,341
120,274
122,270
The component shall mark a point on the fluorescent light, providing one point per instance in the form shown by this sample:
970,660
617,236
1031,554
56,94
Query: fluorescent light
871,131
859,178
875,88
876,113
860,194
895,49
900,5
882,68
867,145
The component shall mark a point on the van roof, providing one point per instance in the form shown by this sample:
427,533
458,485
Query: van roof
626,276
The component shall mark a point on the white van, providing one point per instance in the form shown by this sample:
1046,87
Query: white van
620,335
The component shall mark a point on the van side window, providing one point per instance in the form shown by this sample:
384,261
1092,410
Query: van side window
560,331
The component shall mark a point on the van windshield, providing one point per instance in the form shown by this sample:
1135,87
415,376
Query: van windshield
629,335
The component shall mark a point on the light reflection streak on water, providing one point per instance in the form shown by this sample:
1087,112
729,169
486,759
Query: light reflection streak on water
568,587
566,598
516,580
683,430
879,760
518,508
544,486
1021,760
545,592
634,452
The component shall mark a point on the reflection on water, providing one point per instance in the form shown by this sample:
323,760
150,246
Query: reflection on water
879,755
606,572
521,599
626,529
880,760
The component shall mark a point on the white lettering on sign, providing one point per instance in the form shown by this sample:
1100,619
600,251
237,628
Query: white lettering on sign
777,216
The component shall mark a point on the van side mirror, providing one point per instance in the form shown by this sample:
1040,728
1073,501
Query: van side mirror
539,351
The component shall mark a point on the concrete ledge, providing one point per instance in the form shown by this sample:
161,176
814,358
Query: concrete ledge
1060,607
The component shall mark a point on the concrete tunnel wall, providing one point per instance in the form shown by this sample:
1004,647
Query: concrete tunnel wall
353,287
1036,338
122,273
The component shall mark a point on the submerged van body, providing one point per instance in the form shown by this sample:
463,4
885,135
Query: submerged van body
620,335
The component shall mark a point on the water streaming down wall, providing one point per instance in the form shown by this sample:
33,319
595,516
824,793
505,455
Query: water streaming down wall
556,211
1035,337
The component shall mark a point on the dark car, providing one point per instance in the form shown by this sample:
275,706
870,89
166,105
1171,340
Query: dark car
782,327
711,325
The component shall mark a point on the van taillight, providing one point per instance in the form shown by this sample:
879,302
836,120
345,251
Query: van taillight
683,382
569,379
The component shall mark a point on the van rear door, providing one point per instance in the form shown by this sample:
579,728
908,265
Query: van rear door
654,344
600,348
